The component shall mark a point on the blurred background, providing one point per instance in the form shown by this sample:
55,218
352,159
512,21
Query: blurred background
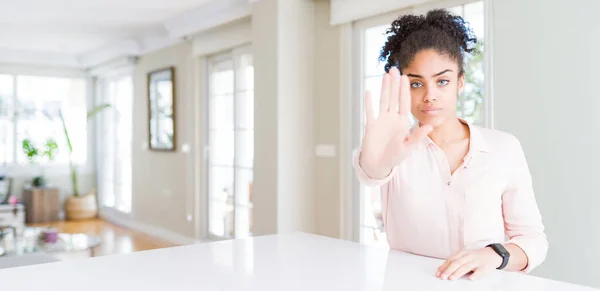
127,126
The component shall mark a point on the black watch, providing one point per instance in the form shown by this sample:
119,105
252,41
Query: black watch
502,252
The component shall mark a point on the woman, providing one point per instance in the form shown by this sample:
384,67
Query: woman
450,189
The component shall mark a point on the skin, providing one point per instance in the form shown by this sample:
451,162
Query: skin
435,83
429,88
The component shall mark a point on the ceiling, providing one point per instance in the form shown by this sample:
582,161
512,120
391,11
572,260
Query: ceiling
76,28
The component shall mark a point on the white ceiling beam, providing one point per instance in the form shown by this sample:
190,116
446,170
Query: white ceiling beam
183,27
346,11
208,16
9,56
128,47
155,39
224,37
110,67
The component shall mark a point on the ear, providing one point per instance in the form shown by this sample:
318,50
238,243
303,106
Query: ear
461,82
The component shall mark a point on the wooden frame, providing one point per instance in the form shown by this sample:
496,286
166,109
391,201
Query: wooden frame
162,139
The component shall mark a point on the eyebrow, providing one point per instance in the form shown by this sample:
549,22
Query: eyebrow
440,73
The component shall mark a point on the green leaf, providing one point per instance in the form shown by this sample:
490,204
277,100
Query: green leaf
473,92
30,150
62,119
51,149
74,174
96,110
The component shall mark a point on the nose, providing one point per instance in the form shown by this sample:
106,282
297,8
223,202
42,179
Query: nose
429,96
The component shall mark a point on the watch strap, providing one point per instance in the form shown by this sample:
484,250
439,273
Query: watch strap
502,252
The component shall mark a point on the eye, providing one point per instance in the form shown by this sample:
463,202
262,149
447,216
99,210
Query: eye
416,84
443,82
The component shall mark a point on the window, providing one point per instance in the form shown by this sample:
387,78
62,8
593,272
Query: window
29,109
115,142
371,36
230,144
7,144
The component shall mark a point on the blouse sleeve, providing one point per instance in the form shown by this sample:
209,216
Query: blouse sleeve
522,218
364,178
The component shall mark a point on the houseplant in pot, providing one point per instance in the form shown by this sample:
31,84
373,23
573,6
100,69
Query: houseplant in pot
32,153
80,205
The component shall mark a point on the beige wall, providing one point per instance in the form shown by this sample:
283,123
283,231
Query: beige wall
163,181
293,114
327,120
293,190
266,155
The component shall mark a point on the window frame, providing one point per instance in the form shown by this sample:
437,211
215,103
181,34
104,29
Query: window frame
101,88
233,56
355,210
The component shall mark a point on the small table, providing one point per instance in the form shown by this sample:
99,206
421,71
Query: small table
30,242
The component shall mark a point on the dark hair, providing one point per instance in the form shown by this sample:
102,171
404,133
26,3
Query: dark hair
438,30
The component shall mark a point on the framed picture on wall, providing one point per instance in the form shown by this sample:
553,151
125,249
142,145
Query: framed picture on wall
161,109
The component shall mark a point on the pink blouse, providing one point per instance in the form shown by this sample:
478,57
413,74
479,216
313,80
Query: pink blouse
488,199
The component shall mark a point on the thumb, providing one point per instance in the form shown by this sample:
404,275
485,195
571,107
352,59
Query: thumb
419,134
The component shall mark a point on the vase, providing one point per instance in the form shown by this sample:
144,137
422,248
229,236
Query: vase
81,207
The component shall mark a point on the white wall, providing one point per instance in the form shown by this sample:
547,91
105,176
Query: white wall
545,77
296,114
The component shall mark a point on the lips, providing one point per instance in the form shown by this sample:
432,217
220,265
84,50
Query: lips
431,111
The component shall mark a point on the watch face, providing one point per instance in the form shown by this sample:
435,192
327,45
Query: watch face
501,250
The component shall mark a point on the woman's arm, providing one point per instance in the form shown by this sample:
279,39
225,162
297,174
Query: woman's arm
527,243
480,262
522,218
364,178
518,258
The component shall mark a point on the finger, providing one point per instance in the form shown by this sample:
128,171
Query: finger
478,273
463,270
394,89
384,103
404,96
453,266
419,134
449,261
369,107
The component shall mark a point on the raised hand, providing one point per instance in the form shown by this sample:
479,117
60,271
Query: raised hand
388,139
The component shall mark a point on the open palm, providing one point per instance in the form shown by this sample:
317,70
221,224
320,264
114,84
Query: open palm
388,139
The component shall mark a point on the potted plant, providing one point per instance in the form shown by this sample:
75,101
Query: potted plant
33,154
80,206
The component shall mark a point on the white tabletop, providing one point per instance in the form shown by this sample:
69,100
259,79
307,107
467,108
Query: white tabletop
279,262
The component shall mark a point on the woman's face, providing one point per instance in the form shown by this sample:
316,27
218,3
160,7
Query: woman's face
434,86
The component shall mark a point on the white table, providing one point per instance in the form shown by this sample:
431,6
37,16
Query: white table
279,262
